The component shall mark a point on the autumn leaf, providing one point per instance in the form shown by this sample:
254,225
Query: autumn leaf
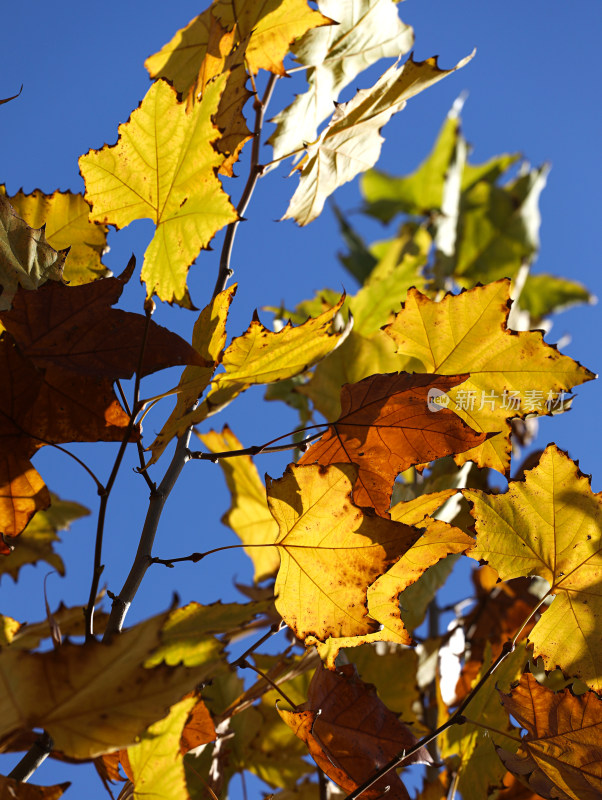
147,175
91,698
11,789
350,733
366,31
208,339
249,515
545,294
549,525
351,142
26,258
560,755
198,729
65,217
330,552
512,373
386,426
36,542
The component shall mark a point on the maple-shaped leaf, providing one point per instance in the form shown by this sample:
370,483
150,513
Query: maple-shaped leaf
386,426
350,733
65,217
36,542
249,515
11,789
91,698
560,755
262,356
150,173
351,142
74,328
549,524
208,339
26,258
366,31
155,765
512,373
330,551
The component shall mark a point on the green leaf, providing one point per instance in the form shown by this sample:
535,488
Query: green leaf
366,31
546,294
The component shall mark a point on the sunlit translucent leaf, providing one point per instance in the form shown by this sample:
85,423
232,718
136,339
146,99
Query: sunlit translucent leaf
351,142
15,790
480,768
199,728
350,733
248,516
387,426
330,551
468,332
261,356
367,31
155,763
91,698
26,258
165,172
36,542
70,620
560,756
208,339
546,294
65,216
550,525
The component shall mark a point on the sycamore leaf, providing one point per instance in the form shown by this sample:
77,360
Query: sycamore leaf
512,374
65,217
366,31
155,764
92,698
36,542
199,728
549,525
16,790
480,768
330,551
351,142
560,756
386,426
75,328
261,356
146,175
26,258
70,620
249,515
546,294
208,339
350,733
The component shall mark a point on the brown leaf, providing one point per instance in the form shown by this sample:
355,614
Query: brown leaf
15,790
386,427
199,728
350,733
561,755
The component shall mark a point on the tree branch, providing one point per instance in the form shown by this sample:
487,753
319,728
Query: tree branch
35,756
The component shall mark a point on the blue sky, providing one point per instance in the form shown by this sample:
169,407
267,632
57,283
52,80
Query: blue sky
532,87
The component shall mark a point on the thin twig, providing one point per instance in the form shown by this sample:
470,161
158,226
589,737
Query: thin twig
275,628
196,557
255,171
244,664
35,756
255,450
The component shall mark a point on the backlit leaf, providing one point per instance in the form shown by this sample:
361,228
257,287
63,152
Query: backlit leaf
545,294
16,790
387,426
351,142
560,756
511,373
150,173
549,525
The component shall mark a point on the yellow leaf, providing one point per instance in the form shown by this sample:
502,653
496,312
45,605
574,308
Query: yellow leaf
248,516
92,698
156,764
331,551
468,333
166,173
65,215
550,525
26,258
208,339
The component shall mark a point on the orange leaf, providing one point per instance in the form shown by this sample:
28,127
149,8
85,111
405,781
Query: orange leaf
386,427
350,733
561,755
199,728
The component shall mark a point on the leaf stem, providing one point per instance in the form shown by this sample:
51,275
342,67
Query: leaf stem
255,450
